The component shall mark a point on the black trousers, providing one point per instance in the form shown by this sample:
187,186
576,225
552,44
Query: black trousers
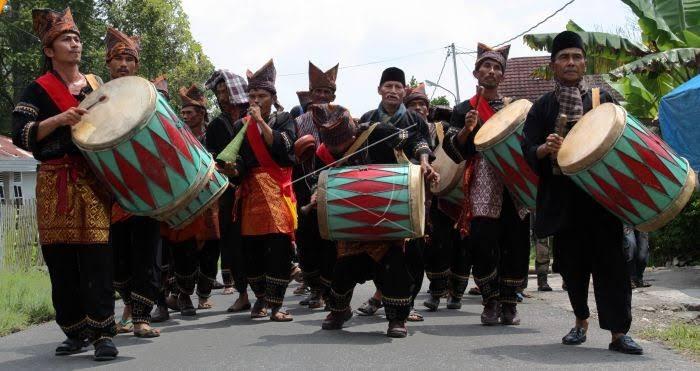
81,289
501,253
195,267
135,242
447,259
391,275
268,258
316,255
415,253
231,244
592,246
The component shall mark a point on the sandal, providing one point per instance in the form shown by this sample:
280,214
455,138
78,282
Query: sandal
204,304
239,305
369,307
285,316
259,310
147,333
228,291
414,316
125,326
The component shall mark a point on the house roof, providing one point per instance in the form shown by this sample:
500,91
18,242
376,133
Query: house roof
518,82
13,158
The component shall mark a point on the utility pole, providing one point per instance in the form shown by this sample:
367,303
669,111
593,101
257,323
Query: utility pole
454,65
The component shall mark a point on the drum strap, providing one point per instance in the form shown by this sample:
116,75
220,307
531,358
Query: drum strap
358,142
440,131
92,81
596,97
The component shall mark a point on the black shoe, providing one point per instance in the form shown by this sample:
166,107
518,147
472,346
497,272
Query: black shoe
397,329
305,301
70,346
105,350
542,284
491,314
217,285
509,314
185,305
335,320
625,344
576,336
160,314
454,303
432,303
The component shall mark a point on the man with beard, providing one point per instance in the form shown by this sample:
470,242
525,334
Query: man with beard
499,234
231,94
73,209
316,256
587,238
135,239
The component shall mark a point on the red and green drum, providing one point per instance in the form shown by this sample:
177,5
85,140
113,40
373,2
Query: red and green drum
499,140
140,149
625,167
371,203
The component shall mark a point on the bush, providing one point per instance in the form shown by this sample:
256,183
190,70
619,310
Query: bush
25,299
680,238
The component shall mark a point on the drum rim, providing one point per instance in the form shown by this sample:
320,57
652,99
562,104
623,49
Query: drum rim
453,181
207,205
596,155
503,135
145,119
674,207
322,202
418,226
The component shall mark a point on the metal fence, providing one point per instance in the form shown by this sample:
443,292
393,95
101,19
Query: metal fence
19,236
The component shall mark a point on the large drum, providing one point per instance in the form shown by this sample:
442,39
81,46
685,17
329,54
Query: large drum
147,157
626,168
451,173
371,203
499,141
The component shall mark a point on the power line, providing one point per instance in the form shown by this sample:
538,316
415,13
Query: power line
444,63
370,63
536,25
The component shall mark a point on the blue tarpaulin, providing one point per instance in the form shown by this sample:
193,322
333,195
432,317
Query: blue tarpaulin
679,117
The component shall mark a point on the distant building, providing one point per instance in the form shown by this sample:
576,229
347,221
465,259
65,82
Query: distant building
17,173
518,82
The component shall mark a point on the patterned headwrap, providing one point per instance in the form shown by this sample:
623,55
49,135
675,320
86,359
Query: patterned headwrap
304,98
49,24
320,79
119,43
416,93
484,52
161,84
192,97
264,78
335,124
237,86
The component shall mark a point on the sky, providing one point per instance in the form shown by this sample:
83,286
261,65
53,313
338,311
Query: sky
409,34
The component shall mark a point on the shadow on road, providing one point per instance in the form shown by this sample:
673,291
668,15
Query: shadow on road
558,354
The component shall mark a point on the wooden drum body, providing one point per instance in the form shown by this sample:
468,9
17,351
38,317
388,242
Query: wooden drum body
371,203
145,155
626,168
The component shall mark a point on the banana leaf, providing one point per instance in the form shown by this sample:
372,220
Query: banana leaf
230,152
668,24
676,60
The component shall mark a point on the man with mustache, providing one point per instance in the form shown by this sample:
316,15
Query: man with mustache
587,238
316,256
135,239
73,208
499,233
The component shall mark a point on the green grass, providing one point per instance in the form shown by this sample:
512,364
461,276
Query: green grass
25,299
681,336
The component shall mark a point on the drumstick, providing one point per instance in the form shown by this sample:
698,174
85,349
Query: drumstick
479,92
559,128
102,99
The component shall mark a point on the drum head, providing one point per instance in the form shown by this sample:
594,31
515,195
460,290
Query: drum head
592,138
128,104
502,124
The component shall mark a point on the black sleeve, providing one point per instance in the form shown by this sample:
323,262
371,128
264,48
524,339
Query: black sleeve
283,138
534,135
366,117
452,148
417,139
25,117
218,137
458,114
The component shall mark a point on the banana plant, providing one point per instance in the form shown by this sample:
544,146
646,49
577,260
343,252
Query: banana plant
668,55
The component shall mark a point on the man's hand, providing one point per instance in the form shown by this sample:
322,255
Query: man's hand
254,112
428,172
551,146
229,169
470,121
70,116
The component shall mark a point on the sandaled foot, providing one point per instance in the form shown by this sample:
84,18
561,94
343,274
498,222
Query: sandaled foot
147,332
281,315
258,310
205,303
239,305
414,316
228,291
125,326
369,307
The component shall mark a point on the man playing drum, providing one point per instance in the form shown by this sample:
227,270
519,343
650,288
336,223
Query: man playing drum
316,256
268,206
73,209
232,97
587,238
135,239
499,237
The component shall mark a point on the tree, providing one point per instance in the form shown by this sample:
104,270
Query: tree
668,55
167,43
413,83
440,101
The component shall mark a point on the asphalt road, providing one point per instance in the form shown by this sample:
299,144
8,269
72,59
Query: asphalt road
447,339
